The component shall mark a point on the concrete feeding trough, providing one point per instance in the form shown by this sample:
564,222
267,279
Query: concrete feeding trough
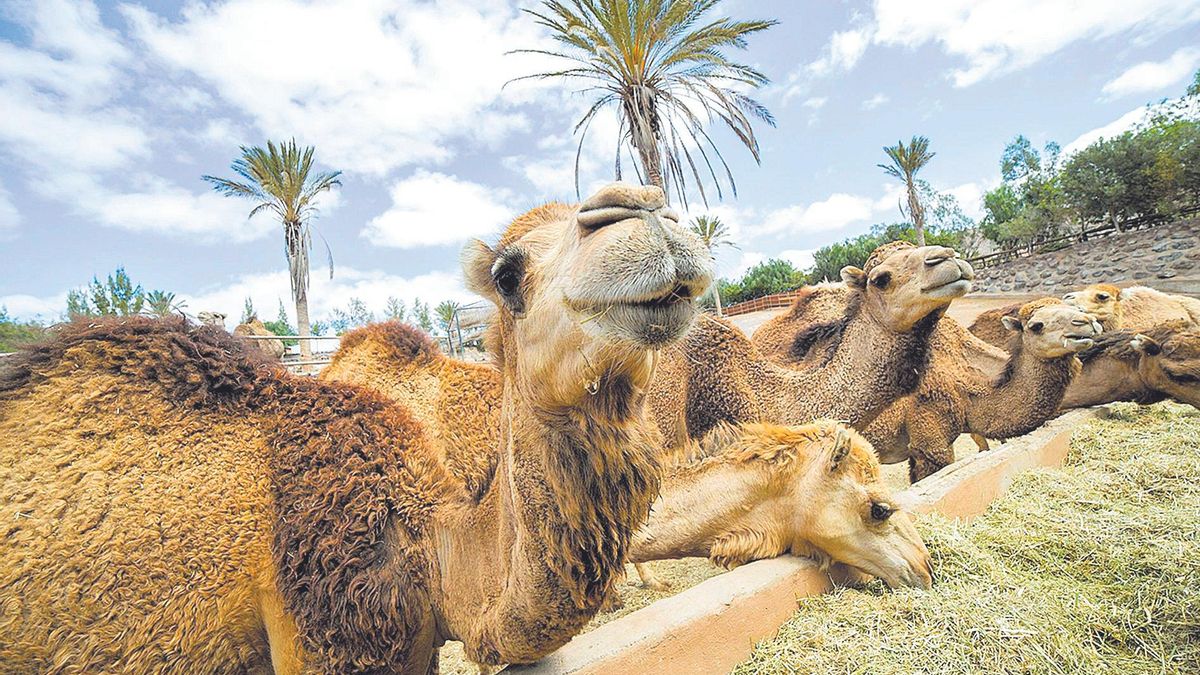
713,626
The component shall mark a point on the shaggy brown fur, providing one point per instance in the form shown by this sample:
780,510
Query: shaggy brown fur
254,326
1143,366
458,402
1134,308
171,504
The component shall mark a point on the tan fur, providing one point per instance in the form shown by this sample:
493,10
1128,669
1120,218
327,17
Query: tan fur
1134,308
170,504
254,326
1143,366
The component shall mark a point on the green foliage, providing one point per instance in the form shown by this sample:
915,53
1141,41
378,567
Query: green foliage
445,315
280,325
828,261
1194,88
117,295
15,334
354,316
767,277
420,315
906,162
395,310
662,65
248,311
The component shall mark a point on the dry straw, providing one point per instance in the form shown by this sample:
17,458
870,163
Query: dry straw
1094,568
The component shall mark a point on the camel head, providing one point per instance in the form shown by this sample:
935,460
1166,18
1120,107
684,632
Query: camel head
1170,363
902,283
1102,301
1049,328
212,319
838,506
589,292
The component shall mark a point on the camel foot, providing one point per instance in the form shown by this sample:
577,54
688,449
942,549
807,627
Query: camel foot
649,581
981,442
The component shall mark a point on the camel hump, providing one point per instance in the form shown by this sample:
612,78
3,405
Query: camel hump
195,364
399,342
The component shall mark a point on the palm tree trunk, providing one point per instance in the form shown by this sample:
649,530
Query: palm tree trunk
917,213
717,298
303,328
652,165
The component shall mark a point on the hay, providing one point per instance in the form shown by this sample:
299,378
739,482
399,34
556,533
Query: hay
1094,568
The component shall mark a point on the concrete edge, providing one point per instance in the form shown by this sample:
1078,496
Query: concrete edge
714,625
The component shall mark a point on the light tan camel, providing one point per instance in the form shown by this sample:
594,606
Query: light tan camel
172,504
873,353
1146,367
1133,308
773,490
758,491
272,348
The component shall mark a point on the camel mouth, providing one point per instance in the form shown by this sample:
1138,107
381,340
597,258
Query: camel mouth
950,289
1077,342
650,320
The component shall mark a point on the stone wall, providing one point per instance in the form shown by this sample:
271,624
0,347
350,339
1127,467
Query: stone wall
1165,257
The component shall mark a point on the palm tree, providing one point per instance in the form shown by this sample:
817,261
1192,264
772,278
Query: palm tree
660,63
906,162
714,234
278,179
162,304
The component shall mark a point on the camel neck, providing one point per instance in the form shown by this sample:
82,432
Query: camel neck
572,486
1024,396
866,367
1104,379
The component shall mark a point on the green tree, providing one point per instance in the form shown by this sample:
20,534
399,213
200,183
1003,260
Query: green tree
662,65
280,179
248,312
281,325
163,304
115,296
420,314
354,316
1194,88
906,162
767,277
445,315
15,334
395,310
714,234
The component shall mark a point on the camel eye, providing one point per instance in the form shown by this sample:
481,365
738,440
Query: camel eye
508,281
881,511
1103,297
1037,326
882,280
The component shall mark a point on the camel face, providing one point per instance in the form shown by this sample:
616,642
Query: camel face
904,284
1100,301
856,521
1171,365
212,319
588,291
1051,329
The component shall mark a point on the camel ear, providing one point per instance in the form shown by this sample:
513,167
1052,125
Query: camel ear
1012,323
1146,345
477,259
719,438
841,448
854,277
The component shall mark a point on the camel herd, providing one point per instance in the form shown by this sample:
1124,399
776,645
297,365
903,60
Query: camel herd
173,501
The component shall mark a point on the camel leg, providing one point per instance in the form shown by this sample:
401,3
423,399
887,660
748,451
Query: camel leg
282,636
981,442
929,450
649,580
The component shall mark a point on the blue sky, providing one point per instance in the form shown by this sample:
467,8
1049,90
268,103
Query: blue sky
111,112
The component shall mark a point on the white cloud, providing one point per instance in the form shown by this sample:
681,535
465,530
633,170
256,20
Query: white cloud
970,198
844,50
430,209
1151,76
815,103
1115,128
10,217
995,36
551,169
29,307
833,213
875,101
384,85
373,287
801,258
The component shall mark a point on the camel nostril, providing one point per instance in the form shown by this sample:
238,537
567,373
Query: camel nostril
597,218
931,262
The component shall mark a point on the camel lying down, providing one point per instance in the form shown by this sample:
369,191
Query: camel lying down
742,493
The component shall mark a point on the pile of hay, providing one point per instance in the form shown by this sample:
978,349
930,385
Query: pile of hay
1094,568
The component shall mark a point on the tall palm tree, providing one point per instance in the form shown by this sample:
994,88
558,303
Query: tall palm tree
714,234
660,64
279,179
162,304
906,162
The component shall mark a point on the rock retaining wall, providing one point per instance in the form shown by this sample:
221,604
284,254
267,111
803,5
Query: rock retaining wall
1166,257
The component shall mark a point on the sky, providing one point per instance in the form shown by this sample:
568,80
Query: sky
110,113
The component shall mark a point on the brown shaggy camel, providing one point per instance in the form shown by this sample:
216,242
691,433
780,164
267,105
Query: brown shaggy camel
254,326
1146,367
1133,308
171,504
875,350
767,498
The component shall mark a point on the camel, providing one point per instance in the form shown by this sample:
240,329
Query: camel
766,497
216,319
1146,367
876,349
173,503
1133,308
253,326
